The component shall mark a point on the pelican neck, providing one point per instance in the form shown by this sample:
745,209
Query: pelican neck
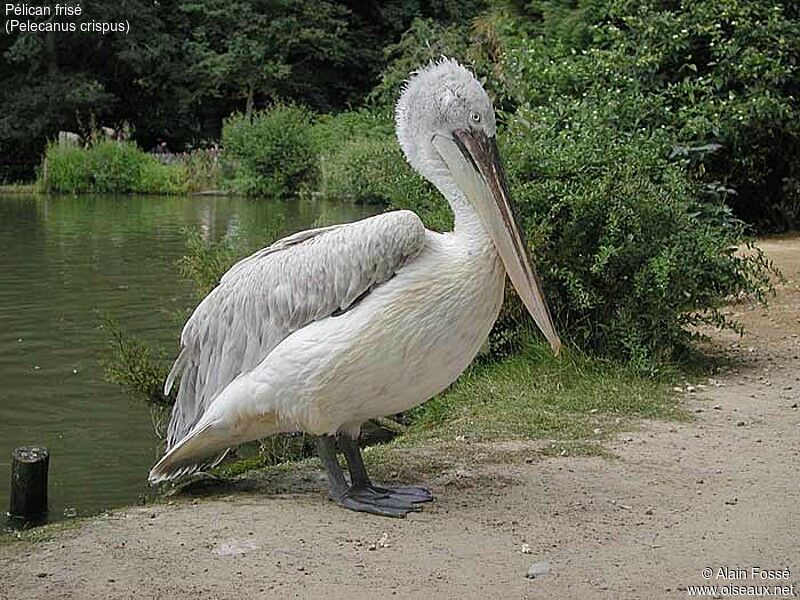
467,223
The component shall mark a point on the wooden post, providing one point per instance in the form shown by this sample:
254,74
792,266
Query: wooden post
29,482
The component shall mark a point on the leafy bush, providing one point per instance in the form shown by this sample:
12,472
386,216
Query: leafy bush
630,126
205,262
630,233
361,161
157,178
331,131
272,151
202,168
376,171
631,251
108,166
66,169
117,167
134,366
721,74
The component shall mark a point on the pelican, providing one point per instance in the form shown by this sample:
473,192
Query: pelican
328,328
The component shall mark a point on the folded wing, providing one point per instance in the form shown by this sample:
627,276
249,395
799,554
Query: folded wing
265,297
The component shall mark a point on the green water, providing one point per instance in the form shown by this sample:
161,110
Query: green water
61,260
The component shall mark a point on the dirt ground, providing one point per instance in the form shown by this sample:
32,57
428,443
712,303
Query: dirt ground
719,491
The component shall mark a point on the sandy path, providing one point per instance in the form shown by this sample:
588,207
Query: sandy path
720,491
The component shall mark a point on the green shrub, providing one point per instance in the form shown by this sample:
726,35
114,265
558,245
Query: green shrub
633,241
66,169
202,169
205,262
134,366
621,157
361,161
631,252
108,166
717,75
116,167
374,170
331,131
634,246
272,151
157,178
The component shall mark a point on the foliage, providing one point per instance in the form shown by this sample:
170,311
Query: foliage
133,365
630,251
253,50
360,161
202,169
272,152
536,395
33,109
205,262
376,171
282,448
424,41
331,131
480,44
714,75
108,166
629,229
633,250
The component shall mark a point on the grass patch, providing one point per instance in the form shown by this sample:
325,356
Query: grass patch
574,448
42,533
534,395
108,166
18,188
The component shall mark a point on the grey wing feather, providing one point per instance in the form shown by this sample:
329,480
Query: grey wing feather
265,297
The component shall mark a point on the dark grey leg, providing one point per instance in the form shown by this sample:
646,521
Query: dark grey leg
361,481
352,453
358,499
326,448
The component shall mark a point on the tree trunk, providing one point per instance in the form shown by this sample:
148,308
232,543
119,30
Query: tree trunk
248,111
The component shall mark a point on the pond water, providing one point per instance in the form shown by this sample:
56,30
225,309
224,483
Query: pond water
62,259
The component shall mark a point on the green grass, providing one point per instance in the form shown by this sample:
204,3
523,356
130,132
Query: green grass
107,166
18,188
535,395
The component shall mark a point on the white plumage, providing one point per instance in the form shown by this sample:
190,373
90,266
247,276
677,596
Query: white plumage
331,327
265,297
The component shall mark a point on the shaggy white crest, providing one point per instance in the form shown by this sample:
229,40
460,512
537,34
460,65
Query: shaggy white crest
438,99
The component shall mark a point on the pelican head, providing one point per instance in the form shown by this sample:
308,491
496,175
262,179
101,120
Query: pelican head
446,127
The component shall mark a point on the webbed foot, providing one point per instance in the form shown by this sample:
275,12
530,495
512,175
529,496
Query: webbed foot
362,495
384,502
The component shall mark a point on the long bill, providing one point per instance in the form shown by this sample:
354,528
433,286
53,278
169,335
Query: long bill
474,163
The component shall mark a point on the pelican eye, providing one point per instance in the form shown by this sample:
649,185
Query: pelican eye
476,118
